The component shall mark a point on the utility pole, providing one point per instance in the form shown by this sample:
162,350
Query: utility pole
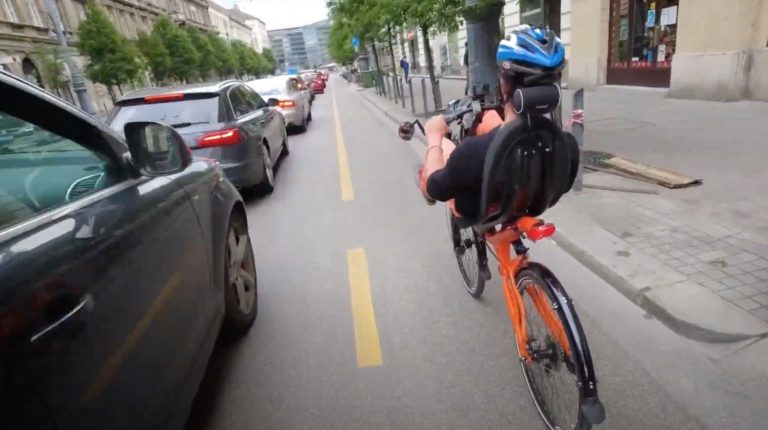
78,83
482,40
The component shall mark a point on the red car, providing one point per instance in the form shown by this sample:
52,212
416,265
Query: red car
317,85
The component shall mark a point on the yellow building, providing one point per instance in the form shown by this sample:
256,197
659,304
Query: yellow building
700,49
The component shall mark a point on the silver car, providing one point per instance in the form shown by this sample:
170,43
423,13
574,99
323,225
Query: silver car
289,95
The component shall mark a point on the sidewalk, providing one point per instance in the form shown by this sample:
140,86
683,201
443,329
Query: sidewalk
697,258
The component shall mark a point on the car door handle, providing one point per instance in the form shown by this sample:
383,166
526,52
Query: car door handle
85,305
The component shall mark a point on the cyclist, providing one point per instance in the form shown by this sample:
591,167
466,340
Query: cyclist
530,55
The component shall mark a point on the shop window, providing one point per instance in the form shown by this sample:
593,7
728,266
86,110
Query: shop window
644,34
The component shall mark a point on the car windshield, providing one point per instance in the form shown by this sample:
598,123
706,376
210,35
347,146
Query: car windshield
175,113
269,87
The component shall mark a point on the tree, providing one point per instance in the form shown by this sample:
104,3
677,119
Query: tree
158,58
246,62
225,59
113,60
208,62
340,42
51,67
184,57
269,59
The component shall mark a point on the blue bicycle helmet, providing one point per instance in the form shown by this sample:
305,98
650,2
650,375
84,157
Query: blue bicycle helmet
533,53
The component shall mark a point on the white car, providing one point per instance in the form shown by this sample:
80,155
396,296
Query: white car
289,95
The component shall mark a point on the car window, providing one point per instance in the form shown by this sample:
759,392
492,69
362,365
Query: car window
175,113
293,85
260,103
41,171
242,103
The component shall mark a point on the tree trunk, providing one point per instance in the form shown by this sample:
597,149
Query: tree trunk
392,55
379,77
437,98
111,92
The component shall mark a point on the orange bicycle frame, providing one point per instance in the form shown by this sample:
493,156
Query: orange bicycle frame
509,266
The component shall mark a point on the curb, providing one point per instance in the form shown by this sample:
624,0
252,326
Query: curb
661,292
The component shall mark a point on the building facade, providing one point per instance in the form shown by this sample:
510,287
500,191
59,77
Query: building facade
258,27
24,24
289,48
316,41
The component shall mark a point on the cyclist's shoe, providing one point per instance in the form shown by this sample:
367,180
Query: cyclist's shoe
423,187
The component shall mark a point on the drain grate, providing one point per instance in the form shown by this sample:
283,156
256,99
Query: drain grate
595,158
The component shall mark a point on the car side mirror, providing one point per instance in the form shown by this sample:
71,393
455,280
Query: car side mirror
273,102
156,149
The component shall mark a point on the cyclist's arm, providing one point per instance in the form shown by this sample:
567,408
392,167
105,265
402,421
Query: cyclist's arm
454,177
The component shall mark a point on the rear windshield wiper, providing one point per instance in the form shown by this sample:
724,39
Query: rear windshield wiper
187,124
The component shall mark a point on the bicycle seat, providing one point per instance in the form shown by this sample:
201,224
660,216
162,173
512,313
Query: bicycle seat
529,165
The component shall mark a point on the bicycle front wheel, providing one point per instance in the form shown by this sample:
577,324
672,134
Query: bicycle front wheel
559,373
470,255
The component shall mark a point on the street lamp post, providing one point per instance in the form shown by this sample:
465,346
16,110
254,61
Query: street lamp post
78,83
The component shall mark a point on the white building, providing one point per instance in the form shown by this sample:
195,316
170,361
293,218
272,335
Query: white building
249,9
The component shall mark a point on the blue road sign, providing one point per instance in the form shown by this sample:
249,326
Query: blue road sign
355,41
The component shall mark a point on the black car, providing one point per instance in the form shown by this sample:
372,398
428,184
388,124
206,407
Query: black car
121,262
226,121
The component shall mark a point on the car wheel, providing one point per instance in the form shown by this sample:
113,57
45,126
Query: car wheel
303,127
286,150
240,286
309,117
267,184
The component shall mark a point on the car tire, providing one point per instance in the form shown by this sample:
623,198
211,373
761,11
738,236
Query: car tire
240,283
286,151
309,117
267,184
303,127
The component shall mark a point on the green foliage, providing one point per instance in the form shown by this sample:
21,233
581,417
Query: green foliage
113,60
158,58
269,60
208,62
225,58
249,62
340,42
184,58
51,66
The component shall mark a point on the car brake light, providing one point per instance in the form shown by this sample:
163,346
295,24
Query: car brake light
160,98
287,103
225,137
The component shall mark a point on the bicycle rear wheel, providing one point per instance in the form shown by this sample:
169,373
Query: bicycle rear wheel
560,374
469,248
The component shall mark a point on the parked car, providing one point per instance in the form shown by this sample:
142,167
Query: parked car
318,85
226,121
287,96
308,78
121,262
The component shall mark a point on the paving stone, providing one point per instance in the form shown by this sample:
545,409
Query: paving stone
733,270
699,277
688,259
761,298
711,255
742,257
687,270
702,267
716,274
713,285
747,279
761,275
731,282
761,313
666,248
730,295
677,253
761,286
674,263
747,304
747,290
761,263
748,267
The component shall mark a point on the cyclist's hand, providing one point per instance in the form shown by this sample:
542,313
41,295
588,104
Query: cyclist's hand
436,126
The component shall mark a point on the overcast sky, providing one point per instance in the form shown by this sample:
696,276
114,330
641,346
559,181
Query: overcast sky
282,13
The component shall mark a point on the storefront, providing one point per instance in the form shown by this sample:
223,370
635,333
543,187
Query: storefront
642,42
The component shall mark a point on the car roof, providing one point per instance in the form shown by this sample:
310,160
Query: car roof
196,88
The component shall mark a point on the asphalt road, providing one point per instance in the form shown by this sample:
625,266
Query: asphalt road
426,355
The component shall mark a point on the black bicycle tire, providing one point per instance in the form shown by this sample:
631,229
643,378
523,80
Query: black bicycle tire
474,289
545,280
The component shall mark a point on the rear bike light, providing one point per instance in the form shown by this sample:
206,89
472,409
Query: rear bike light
287,104
540,231
161,98
220,138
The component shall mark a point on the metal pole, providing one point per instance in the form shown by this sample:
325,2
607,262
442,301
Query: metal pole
410,90
386,83
78,83
402,95
424,94
482,39
438,96
577,129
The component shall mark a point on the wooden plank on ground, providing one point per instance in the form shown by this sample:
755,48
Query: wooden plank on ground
656,175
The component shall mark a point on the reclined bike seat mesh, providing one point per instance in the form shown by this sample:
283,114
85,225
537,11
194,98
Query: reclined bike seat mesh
529,165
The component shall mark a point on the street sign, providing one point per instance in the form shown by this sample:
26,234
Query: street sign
355,41
293,70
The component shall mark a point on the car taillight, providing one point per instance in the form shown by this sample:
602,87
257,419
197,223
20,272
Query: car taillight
225,137
161,98
287,104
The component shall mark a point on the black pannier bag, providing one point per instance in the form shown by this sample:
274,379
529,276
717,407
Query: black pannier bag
530,163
